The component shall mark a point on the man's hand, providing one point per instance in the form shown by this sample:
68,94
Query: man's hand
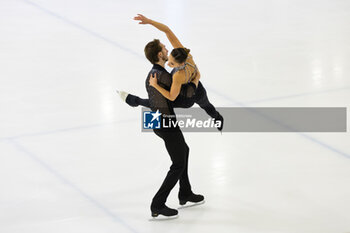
143,19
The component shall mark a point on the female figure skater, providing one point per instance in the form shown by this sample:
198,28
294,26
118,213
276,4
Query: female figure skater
186,89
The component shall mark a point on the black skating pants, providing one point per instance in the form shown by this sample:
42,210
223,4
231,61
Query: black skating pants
178,152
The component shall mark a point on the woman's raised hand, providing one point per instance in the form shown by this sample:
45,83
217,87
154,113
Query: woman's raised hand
142,19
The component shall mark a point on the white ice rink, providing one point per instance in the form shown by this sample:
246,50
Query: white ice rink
72,155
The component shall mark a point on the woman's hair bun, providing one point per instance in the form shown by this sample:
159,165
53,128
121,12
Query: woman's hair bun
180,54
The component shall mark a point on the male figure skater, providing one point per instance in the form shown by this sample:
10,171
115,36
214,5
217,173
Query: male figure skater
173,138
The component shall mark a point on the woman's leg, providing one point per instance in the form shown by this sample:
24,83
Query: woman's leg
202,100
135,101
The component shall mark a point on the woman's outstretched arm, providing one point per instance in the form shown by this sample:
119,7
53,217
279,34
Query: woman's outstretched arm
162,27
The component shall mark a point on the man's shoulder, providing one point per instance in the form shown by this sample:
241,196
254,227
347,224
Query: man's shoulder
159,68
160,71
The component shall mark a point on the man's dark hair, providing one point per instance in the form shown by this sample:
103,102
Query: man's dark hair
152,49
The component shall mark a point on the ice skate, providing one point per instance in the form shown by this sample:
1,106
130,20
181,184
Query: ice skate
220,119
192,200
164,213
131,100
123,95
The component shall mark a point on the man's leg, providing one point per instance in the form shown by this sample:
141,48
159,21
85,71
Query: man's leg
185,193
177,149
185,186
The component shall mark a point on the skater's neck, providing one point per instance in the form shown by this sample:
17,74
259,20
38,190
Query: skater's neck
161,63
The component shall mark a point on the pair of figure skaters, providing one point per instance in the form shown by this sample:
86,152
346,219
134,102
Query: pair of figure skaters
180,89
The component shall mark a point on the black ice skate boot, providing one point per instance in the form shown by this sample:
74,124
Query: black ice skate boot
165,211
130,99
220,119
194,199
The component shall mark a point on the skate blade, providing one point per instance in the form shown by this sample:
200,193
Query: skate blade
163,218
190,204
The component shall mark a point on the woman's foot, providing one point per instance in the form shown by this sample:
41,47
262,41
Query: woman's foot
220,119
128,98
122,95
